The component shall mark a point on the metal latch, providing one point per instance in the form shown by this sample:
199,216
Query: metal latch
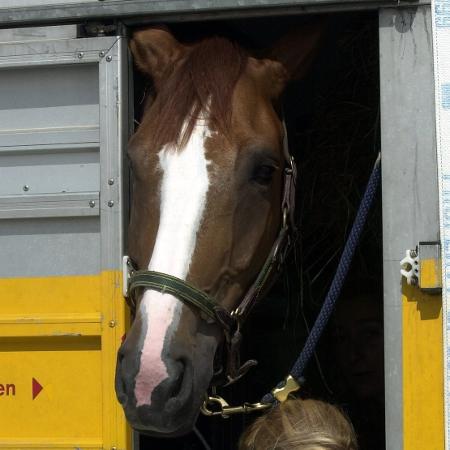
422,267
127,269
289,386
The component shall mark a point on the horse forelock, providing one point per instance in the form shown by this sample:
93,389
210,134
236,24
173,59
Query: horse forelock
202,82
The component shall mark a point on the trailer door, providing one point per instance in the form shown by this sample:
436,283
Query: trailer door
63,124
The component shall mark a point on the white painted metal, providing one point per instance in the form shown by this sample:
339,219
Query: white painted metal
441,43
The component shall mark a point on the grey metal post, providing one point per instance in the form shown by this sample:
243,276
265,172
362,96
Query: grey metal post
410,196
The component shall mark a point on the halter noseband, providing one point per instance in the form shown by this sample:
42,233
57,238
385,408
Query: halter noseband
230,322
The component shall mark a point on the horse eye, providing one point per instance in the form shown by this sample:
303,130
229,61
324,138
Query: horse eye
263,174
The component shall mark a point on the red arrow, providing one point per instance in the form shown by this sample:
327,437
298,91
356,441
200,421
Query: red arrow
35,387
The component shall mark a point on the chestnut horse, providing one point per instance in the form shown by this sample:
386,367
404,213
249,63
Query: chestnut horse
208,163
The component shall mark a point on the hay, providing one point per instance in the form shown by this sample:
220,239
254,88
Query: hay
336,153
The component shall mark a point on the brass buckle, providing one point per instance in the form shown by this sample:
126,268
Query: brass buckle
282,393
215,405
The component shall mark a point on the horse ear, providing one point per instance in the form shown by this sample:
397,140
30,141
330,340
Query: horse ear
155,52
271,74
297,48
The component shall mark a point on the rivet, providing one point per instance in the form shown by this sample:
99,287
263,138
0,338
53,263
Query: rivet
91,203
109,58
26,188
111,181
101,54
110,203
112,323
80,55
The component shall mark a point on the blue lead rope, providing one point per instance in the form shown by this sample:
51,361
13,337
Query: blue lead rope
336,286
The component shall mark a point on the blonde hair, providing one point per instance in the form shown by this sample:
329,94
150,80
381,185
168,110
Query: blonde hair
300,425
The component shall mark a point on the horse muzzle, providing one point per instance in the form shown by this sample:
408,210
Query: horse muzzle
173,404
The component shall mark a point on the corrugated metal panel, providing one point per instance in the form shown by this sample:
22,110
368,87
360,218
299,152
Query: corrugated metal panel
41,104
28,3
38,33
63,124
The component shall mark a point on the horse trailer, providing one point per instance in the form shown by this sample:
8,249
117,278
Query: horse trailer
69,102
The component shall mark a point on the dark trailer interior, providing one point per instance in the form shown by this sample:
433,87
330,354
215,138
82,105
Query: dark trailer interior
332,117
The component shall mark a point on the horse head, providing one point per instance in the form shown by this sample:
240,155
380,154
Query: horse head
208,165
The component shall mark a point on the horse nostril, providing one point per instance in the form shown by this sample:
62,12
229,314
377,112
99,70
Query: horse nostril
177,378
119,379
120,354
120,387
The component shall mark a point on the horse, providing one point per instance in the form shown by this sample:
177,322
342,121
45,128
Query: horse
208,164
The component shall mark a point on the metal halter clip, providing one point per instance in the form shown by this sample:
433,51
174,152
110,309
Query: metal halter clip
216,406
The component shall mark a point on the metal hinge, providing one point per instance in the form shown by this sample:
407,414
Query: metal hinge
422,267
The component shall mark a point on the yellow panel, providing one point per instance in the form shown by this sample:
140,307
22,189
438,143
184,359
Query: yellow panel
50,443
430,274
64,333
69,371
65,294
423,389
74,324
50,318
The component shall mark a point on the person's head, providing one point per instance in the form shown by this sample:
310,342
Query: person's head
300,425
358,343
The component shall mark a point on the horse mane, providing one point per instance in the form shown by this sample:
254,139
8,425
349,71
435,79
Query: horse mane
203,81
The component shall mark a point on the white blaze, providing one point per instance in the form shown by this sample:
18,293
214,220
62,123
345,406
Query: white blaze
184,187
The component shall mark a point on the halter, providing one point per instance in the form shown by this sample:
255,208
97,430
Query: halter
210,310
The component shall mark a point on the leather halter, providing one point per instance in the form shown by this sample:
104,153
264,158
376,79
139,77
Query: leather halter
230,322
